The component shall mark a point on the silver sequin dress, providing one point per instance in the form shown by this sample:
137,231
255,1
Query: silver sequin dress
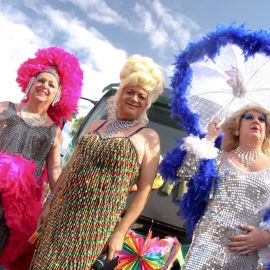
239,199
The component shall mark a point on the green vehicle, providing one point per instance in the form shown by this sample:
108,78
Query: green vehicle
161,213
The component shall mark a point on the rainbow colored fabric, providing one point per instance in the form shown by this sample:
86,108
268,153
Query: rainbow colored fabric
147,254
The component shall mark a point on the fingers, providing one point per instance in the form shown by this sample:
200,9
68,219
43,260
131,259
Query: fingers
236,238
240,249
244,250
112,253
248,228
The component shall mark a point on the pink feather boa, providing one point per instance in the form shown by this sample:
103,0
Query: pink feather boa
21,201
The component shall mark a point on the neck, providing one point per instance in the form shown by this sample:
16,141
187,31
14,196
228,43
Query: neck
36,108
252,144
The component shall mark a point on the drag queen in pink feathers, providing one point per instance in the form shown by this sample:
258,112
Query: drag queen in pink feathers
30,142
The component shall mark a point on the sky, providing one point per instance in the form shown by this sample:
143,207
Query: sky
102,34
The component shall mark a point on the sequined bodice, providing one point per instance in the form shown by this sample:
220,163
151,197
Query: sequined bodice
239,199
33,143
243,194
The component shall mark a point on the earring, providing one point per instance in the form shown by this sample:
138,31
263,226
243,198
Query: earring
236,133
29,85
57,97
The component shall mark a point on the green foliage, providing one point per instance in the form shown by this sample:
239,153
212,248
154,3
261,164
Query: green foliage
76,125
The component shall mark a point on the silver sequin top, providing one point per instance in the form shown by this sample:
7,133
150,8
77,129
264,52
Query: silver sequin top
239,199
34,143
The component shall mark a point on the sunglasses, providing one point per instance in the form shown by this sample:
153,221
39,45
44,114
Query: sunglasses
250,116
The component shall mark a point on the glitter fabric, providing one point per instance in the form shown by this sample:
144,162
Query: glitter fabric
23,151
34,143
89,204
189,167
239,199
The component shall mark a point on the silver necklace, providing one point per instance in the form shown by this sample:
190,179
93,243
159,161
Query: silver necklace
247,156
117,126
31,119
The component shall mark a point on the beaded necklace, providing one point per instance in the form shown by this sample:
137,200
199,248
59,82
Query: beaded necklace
247,156
117,126
31,119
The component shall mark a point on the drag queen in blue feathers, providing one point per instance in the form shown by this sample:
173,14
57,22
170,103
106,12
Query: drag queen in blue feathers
227,204
231,234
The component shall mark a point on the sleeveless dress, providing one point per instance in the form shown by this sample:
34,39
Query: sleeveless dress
89,203
240,198
23,152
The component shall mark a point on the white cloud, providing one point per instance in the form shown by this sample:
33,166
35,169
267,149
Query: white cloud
178,24
164,27
99,11
157,34
18,42
100,60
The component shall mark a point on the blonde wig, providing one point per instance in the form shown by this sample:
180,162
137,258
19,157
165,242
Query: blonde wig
231,127
143,72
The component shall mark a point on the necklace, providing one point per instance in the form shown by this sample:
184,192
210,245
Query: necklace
117,126
247,156
31,119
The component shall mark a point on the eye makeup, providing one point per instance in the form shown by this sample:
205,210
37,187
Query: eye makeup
250,116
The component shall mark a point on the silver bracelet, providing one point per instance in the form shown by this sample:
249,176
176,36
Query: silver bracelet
51,197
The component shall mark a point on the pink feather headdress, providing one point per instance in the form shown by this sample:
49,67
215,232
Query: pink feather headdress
71,77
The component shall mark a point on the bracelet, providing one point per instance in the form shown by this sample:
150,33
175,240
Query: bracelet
51,197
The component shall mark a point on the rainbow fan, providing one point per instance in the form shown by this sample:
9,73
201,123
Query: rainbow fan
147,254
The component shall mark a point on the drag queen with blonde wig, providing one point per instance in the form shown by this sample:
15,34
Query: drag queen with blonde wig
30,142
84,219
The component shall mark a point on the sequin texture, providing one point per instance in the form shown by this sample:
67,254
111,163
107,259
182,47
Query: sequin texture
34,143
239,199
89,204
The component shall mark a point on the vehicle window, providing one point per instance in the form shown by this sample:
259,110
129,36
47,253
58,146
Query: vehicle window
98,112
166,127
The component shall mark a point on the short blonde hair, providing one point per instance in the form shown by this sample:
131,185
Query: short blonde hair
143,72
231,126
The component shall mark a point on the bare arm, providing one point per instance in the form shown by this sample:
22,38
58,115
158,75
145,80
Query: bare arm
53,159
47,205
148,172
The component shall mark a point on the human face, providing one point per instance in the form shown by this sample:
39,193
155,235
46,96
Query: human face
44,88
132,102
253,124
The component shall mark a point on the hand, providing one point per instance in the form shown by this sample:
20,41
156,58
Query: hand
44,214
114,244
246,243
214,129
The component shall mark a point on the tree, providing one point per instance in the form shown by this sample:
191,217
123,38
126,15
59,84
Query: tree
76,125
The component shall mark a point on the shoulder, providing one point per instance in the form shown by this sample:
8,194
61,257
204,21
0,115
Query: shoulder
151,137
58,132
4,105
149,132
95,125
58,136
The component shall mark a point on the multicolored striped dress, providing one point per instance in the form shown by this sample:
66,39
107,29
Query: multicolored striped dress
89,204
